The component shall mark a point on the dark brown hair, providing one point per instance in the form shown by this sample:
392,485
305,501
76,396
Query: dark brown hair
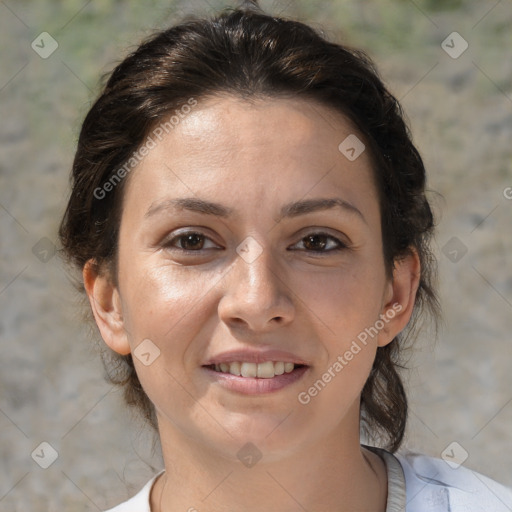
250,54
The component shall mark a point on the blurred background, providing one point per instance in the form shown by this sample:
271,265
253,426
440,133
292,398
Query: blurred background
448,62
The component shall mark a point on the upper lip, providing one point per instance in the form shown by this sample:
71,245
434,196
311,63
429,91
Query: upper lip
255,356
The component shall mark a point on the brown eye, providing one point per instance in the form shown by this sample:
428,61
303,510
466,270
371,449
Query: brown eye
192,241
189,241
315,242
318,242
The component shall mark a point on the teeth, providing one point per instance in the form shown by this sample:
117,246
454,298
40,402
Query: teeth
265,370
249,369
235,368
279,368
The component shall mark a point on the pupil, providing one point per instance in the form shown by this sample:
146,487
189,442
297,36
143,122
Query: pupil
310,241
191,241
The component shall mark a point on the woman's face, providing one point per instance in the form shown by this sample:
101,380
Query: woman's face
227,255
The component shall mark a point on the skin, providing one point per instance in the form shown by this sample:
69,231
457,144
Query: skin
254,157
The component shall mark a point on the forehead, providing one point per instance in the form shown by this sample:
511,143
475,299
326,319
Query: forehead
266,148
226,125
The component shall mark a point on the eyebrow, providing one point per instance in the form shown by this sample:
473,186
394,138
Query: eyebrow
289,210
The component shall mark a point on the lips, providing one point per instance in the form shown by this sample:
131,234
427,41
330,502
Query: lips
256,371
255,385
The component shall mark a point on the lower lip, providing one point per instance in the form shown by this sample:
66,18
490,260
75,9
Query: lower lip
256,386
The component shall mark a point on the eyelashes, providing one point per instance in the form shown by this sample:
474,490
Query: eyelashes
316,236
190,238
193,242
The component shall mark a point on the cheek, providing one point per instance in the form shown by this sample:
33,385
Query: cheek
154,291
346,300
162,304
346,308
165,303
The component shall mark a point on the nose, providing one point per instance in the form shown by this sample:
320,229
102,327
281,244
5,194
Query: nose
256,295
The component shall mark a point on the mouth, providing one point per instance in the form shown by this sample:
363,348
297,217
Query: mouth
248,378
266,370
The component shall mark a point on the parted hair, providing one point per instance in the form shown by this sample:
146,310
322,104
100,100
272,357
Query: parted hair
246,52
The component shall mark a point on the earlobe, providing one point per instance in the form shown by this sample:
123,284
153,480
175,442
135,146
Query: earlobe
400,297
106,307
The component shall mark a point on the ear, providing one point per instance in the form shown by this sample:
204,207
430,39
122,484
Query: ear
400,296
106,306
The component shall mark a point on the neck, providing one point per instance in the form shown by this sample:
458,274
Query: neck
334,474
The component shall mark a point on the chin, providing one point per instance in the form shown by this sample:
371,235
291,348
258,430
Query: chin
275,435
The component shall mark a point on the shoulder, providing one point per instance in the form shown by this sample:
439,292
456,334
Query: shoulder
433,485
139,502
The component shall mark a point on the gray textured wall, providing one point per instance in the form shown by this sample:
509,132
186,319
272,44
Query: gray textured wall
460,109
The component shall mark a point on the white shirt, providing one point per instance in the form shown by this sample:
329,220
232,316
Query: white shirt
416,483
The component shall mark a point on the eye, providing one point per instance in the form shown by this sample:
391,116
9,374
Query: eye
318,242
188,242
194,242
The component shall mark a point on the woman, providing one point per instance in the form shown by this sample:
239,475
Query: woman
249,216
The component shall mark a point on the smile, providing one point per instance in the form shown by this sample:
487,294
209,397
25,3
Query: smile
255,378
266,370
